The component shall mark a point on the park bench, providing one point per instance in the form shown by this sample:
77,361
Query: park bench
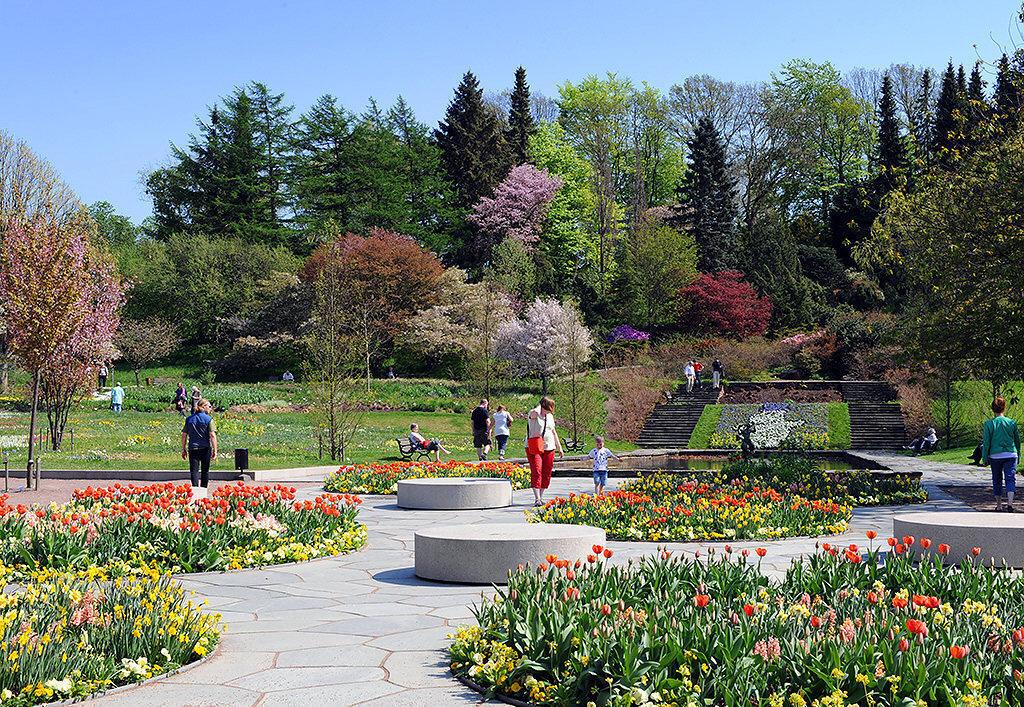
411,452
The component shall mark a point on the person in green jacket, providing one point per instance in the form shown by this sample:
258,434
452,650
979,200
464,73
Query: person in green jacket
1000,447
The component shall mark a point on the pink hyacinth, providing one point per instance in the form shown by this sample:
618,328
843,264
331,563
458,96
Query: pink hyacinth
768,650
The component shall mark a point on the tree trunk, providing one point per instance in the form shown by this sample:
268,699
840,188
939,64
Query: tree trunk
949,406
32,429
137,384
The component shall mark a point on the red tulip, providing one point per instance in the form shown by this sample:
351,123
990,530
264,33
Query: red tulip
872,598
816,621
899,603
926,543
975,551
748,609
891,541
903,646
943,549
701,600
607,553
871,534
898,549
918,628
597,549
908,540
761,552
591,558
958,652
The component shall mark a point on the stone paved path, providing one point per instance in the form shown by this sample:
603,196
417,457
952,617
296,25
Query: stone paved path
362,629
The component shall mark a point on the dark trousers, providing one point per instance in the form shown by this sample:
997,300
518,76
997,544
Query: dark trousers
199,466
103,381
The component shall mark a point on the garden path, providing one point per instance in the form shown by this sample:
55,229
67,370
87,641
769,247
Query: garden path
362,629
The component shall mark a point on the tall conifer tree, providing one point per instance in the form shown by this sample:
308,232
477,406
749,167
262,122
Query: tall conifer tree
520,119
948,127
708,190
976,105
473,148
891,148
924,121
1008,91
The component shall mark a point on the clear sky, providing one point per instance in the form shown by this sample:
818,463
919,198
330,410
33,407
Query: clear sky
101,88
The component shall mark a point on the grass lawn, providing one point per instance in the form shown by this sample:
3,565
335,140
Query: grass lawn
141,440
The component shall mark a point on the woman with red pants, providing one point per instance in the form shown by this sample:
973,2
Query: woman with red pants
541,442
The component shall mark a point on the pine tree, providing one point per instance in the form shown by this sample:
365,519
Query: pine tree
273,136
891,149
948,129
1008,91
473,148
323,154
520,119
976,105
242,202
708,190
924,121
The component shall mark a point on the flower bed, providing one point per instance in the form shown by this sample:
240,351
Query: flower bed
776,425
839,629
160,525
69,634
661,507
384,478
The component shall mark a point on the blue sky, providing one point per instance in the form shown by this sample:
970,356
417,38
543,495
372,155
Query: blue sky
101,88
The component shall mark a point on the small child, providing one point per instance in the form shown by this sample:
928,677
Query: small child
600,454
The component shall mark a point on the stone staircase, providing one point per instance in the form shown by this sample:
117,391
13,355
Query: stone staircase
876,425
867,392
670,425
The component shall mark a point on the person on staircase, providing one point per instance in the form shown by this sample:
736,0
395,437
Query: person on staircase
697,368
1000,447
717,373
690,373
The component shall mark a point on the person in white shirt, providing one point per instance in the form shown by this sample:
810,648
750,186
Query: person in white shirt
502,422
690,373
600,455
541,442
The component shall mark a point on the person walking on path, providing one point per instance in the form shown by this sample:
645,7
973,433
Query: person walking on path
541,442
103,376
1000,447
502,423
717,373
194,398
600,455
199,443
481,419
691,375
180,399
431,445
117,398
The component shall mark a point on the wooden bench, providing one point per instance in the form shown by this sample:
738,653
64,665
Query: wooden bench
411,452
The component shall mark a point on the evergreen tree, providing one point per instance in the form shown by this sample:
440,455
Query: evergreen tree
708,191
520,119
323,154
243,204
772,265
273,135
924,121
961,81
976,105
891,152
948,128
1008,91
473,148
433,216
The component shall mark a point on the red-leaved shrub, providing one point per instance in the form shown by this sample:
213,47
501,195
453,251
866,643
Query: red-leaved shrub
725,303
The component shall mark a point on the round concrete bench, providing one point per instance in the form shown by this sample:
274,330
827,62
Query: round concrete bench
454,494
999,535
484,553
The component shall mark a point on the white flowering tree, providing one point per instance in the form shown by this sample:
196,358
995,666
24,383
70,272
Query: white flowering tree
551,340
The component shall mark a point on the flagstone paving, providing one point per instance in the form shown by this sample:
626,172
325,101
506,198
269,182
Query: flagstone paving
362,629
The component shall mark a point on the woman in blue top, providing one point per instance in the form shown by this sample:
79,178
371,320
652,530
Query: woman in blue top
199,443
1000,447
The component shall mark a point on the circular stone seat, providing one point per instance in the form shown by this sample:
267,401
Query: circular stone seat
484,553
999,535
454,494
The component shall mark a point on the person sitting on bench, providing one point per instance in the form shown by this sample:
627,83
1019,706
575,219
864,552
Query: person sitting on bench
431,445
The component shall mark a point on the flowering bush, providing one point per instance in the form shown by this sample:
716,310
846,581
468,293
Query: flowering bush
662,507
626,333
384,478
840,628
237,526
725,303
68,634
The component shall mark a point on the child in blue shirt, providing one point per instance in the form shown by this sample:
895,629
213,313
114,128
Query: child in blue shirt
600,455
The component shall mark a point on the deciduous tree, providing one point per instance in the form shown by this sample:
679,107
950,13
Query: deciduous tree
725,303
142,342
516,210
549,341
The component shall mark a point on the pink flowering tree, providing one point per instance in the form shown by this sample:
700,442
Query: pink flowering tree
60,300
551,340
517,208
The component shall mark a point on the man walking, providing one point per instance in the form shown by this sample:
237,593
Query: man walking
690,374
103,376
481,418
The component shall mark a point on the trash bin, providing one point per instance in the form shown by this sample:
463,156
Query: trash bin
241,459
